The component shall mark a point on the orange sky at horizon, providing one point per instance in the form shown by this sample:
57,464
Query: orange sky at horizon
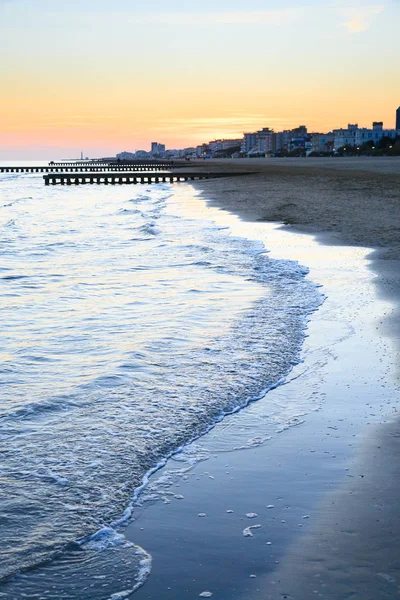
71,99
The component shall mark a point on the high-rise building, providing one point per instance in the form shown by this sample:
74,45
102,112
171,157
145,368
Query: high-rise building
157,150
398,119
264,140
248,142
282,140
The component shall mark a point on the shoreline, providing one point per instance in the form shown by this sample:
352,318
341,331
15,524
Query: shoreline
317,196
253,508
366,517
310,196
277,577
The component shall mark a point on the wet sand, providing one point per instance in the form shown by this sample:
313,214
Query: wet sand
326,492
351,549
357,200
344,201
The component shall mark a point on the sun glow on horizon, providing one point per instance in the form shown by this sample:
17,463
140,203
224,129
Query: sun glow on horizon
108,79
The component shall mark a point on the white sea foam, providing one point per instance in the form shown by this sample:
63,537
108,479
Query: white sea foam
105,538
121,595
144,567
247,532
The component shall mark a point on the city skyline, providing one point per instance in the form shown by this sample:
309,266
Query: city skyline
267,141
104,79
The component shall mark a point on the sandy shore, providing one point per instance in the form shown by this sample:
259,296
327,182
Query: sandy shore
356,199
325,493
352,201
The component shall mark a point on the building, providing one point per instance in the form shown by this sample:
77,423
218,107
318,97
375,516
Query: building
231,143
264,141
142,154
126,156
214,146
300,143
157,150
172,154
291,139
345,137
222,148
257,142
202,150
281,141
356,136
248,142
187,153
398,119
299,132
322,142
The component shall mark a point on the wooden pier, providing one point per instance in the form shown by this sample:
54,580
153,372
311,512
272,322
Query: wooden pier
150,162
113,178
90,167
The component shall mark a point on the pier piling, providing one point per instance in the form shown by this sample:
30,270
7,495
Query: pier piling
131,178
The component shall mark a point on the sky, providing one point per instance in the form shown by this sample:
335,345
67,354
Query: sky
107,76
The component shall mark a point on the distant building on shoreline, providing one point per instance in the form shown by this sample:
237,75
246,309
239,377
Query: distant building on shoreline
248,142
157,150
282,140
322,142
126,156
356,136
299,142
267,142
218,148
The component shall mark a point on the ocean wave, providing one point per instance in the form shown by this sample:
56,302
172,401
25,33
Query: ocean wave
150,228
16,201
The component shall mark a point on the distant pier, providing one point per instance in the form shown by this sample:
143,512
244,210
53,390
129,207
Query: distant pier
74,167
143,162
113,178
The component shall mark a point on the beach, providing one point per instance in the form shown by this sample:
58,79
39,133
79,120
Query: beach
348,201
202,399
322,195
322,493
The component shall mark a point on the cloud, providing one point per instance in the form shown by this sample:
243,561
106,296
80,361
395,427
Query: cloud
245,17
237,122
200,129
358,19
83,118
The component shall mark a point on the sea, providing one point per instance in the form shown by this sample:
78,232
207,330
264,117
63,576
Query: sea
132,323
